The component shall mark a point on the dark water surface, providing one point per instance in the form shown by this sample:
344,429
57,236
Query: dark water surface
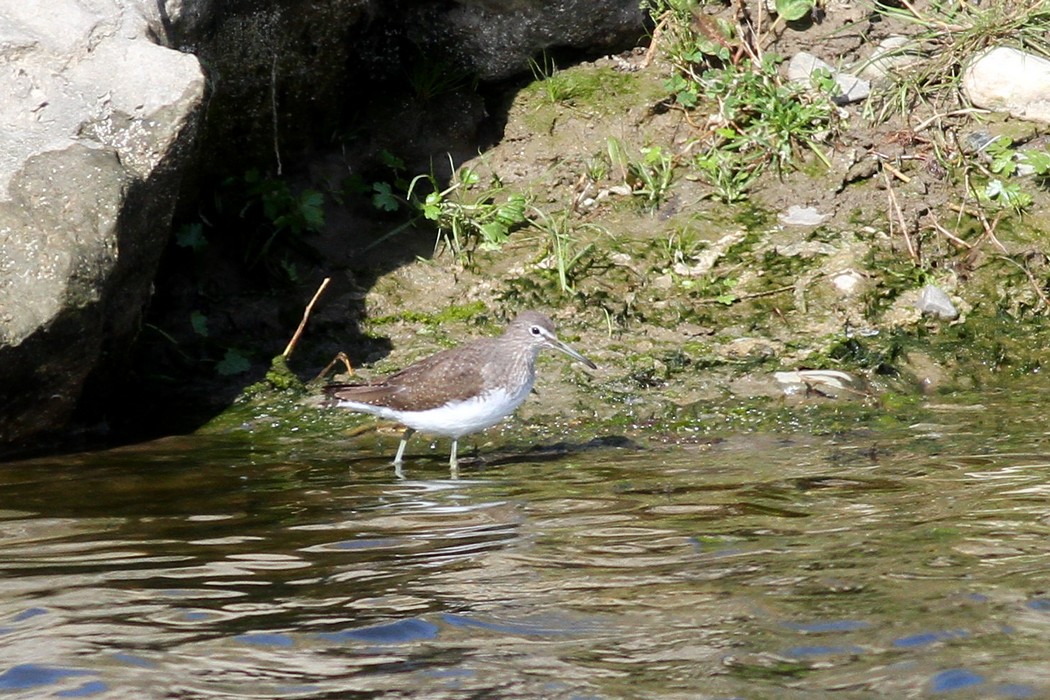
898,565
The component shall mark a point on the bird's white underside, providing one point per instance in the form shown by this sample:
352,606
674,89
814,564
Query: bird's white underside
454,419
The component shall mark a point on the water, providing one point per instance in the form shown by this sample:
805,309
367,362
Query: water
913,564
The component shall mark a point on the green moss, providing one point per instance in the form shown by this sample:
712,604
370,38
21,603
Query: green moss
598,88
280,377
453,313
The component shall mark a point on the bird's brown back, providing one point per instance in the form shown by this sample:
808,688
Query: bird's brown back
450,375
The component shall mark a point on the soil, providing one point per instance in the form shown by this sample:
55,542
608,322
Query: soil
690,308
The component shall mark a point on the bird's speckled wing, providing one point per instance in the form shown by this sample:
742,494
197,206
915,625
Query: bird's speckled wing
449,375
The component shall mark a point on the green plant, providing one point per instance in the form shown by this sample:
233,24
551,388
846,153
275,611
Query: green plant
730,174
649,176
468,216
287,215
759,119
429,78
792,10
693,42
563,249
261,219
762,121
1003,189
556,86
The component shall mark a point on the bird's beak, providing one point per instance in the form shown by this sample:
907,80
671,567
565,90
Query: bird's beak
556,344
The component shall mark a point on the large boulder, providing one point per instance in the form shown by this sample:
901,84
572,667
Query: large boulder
96,126
290,77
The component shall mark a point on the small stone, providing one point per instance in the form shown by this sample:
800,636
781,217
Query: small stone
935,302
828,383
749,348
850,88
847,281
663,283
802,216
977,141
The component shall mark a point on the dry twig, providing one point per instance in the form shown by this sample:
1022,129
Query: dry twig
306,316
339,357
912,252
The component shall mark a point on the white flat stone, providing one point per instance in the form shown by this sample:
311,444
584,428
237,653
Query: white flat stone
1008,80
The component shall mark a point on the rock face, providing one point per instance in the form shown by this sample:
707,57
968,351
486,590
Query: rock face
289,78
96,125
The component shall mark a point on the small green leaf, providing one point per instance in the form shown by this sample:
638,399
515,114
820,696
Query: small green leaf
384,198
1038,160
233,363
512,212
199,322
468,177
432,206
390,160
311,206
494,233
290,269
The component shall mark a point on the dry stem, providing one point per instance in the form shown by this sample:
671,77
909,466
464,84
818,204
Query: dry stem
306,316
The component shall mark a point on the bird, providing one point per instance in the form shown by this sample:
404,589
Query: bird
460,390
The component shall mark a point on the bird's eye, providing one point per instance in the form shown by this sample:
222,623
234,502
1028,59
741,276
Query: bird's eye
536,330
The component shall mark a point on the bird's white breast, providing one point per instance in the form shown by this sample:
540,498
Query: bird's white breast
467,416
454,419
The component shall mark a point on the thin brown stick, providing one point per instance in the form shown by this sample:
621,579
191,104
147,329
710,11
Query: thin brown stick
896,173
306,316
657,31
955,113
988,226
339,357
948,234
753,295
900,218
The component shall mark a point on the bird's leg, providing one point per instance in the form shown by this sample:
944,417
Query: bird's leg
453,463
401,448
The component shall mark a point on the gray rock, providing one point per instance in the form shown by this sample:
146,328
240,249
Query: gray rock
828,383
933,301
94,132
381,62
1009,80
893,54
850,88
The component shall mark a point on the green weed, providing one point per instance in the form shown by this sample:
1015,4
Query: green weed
429,78
763,121
468,216
759,120
264,218
649,176
563,247
555,86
